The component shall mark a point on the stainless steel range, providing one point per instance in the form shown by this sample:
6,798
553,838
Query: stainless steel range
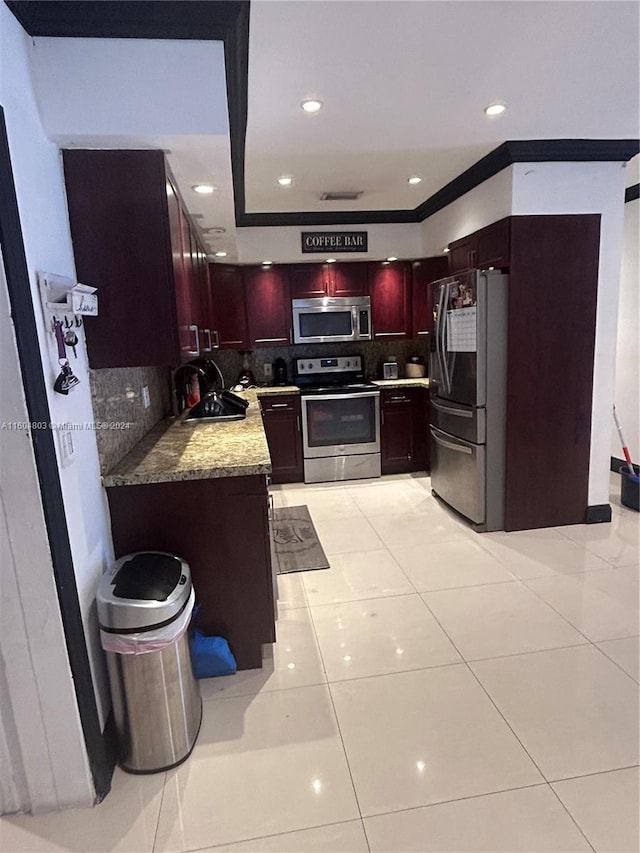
340,419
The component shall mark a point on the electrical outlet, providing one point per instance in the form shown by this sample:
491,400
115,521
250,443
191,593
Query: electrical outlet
146,397
268,369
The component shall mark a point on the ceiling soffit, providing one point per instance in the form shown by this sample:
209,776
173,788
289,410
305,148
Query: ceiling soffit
228,20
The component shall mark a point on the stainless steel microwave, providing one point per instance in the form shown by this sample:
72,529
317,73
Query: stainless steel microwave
331,319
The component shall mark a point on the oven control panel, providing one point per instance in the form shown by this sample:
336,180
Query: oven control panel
339,364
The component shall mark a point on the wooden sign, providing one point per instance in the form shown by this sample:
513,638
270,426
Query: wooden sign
334,241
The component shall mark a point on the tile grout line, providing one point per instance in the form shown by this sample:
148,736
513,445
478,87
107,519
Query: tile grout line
580,829
271,835
633,637
589,642
489,697
164,786
335,714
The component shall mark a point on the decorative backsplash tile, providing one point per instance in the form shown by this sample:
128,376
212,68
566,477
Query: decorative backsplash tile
116,395
375,353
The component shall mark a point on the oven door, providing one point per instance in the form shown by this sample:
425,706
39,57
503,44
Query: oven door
341,424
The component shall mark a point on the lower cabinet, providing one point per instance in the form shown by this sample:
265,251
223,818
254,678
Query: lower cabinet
281,419
403,431
220,527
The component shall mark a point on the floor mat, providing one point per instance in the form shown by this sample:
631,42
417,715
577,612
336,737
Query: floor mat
297,546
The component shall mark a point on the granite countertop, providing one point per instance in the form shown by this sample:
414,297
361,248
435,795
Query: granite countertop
175,450
422,382
274,390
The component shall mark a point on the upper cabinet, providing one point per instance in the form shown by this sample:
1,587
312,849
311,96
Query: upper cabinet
227,299
339,279
133,242
390,289
488,247
268,300
423,272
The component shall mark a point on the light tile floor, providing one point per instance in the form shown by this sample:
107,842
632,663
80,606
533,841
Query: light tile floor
434,690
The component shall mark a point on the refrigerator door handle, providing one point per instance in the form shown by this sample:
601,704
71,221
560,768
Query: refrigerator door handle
459,448
449,410
440,334
444,341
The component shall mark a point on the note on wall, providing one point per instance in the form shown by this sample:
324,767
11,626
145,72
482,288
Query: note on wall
461,330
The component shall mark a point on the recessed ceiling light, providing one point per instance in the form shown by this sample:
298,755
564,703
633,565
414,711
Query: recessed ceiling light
392,258
203,189
267,263
311,105
217,229
495,109
331,260
446,250
414,179
285,180
221,254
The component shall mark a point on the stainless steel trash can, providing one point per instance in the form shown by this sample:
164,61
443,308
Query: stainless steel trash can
144,604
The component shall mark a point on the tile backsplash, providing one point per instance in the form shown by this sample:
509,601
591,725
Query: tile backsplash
374,353
116,396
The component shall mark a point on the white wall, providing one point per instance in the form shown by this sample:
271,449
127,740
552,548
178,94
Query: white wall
476,209
282,245
553,188
627,379
139,86
556,188
41,201
44,764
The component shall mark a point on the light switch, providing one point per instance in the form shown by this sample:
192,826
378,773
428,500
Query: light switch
146,397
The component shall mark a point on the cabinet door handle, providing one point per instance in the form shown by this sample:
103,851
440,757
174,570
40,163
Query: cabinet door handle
400,399
208,334
279,406
269,340
388,334
270,507
217,343
196,338
298,422
422,333
232,343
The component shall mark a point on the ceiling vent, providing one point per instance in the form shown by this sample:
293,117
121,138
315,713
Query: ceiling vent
341,196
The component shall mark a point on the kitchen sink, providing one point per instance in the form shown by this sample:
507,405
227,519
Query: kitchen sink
214,409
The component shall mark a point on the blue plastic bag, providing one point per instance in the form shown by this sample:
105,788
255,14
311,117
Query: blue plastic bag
211,656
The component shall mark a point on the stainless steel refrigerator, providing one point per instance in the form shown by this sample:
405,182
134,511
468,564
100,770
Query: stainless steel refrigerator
468,365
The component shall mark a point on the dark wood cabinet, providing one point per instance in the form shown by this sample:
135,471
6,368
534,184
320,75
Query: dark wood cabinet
461,255
268,300
281,419
133,241
227,299
309,281
553,291
338,279
423,272
403,444
126,231
492,245
488,247
220,527
390,289
349,279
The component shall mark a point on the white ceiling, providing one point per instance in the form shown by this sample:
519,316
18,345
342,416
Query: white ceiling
404,85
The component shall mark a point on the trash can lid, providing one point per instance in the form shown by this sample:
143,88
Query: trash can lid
142,591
